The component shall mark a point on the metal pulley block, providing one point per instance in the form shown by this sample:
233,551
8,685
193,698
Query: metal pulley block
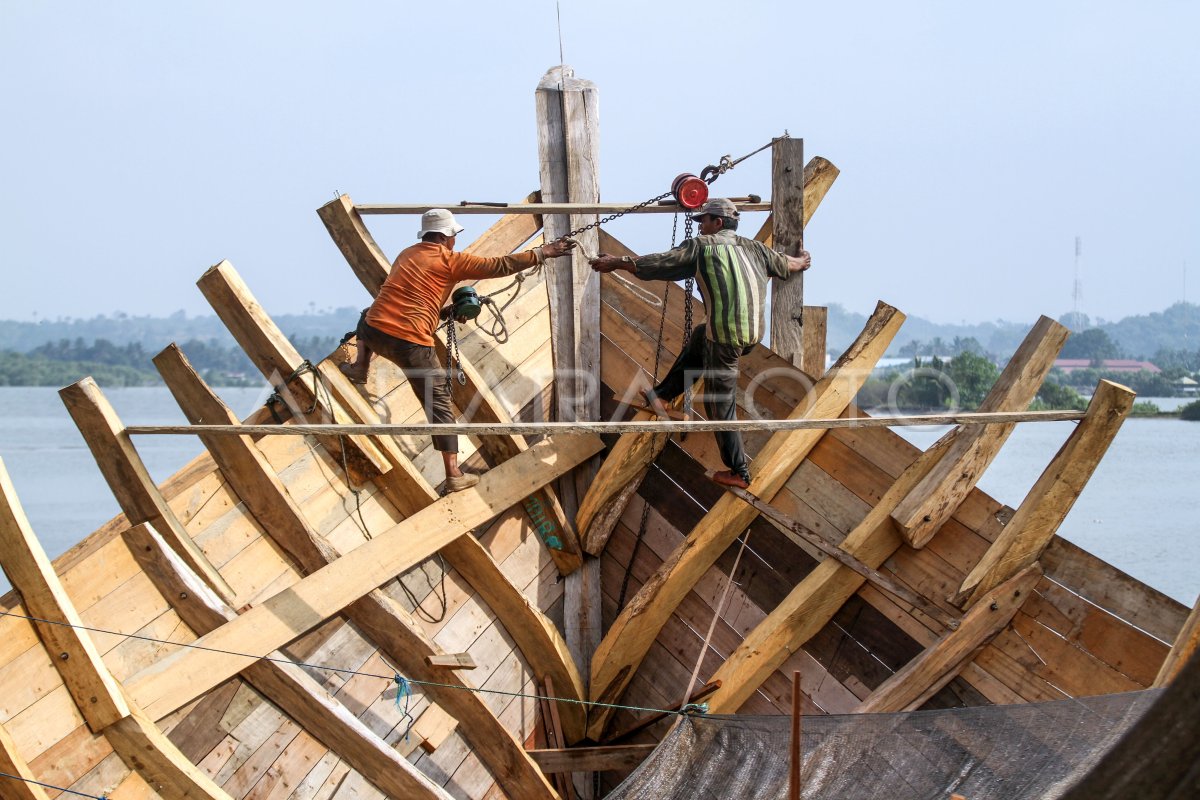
689,191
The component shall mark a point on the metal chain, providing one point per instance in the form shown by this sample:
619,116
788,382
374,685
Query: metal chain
612,216
452,361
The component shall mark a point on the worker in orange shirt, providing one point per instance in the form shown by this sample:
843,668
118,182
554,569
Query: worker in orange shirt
400,324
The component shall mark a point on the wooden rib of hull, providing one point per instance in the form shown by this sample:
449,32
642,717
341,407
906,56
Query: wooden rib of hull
96,693
286,685
539,641
818,597
1045,507
634,631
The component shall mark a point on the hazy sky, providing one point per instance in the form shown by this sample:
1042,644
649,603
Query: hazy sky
143,142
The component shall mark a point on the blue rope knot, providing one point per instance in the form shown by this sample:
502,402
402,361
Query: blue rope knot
404,693
692,709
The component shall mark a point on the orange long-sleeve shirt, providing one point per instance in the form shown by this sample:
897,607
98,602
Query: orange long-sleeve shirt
420,283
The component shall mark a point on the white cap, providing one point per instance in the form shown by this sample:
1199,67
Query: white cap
439,220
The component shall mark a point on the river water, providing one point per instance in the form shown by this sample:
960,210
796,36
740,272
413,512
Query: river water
1140,511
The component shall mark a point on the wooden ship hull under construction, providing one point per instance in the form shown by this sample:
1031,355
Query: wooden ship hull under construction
363,637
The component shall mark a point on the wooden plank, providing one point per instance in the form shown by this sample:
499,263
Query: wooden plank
1184,649
18,781
452,660
814,323
939,663
95,692
787,213
934,500
592,759
531,207
638,624
288,686
128,478
1046,505
434,727
181,677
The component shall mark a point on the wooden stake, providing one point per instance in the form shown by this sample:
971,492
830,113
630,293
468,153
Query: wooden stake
787,201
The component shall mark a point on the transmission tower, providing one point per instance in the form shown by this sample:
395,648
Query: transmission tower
1077,292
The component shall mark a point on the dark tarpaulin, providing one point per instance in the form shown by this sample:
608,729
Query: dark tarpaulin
1035,750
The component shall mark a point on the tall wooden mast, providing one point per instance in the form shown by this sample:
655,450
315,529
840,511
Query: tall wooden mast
568,115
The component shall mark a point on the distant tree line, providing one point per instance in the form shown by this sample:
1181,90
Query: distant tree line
65,361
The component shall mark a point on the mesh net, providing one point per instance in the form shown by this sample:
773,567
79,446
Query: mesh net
1035,750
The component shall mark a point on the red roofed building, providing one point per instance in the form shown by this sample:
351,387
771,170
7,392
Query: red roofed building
1069,365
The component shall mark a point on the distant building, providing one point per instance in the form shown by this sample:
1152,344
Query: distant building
1187,386
1069,365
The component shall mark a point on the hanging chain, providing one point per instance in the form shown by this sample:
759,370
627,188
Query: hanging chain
453,363
612,216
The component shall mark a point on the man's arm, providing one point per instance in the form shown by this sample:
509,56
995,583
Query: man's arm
673,265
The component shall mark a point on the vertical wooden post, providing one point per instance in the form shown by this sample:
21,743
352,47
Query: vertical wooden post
1184,649
797,751
787,211
813,335
568,110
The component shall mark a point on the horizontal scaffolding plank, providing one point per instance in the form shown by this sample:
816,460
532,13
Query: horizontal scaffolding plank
648,426
545,208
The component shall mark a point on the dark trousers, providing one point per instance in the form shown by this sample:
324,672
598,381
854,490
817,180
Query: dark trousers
425,375
717,364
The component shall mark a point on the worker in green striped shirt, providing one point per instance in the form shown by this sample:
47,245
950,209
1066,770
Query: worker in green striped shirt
733,272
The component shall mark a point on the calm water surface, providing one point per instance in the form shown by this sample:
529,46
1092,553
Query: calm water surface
1140,512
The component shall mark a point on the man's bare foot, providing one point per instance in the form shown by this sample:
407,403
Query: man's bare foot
351,370
728,478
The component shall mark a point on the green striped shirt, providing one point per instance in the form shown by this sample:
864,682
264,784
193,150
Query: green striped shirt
733,273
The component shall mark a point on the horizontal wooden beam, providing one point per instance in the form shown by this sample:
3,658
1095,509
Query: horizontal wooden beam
592,759
648,426
544,208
